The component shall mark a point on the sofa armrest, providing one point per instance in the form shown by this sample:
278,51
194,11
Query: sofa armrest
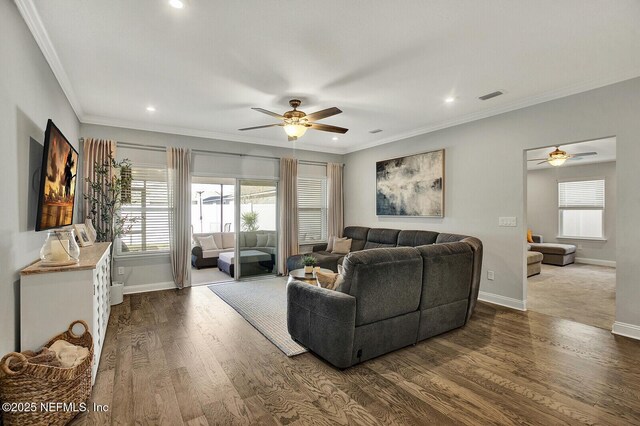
197,251
320,247
537,239
322,320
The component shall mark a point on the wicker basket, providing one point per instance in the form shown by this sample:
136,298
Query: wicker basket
35,385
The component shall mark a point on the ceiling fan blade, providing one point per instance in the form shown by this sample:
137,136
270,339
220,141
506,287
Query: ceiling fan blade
584,154
574,158
328,128
261,127
542,162
538,159
319,115
271,113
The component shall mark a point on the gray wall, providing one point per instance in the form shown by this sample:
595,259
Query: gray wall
156,269
29,95
542,206
485,179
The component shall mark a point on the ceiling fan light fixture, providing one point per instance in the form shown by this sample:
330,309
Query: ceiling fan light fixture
557,161
295,130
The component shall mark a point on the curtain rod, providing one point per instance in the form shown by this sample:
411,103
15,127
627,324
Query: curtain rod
160,148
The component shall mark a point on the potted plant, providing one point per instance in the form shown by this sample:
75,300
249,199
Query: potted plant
250,221
110,188
309,262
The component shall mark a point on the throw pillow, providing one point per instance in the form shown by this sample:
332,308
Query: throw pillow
331,241
271,240
329,280
529,236
326,279
341,246
207,243
262,240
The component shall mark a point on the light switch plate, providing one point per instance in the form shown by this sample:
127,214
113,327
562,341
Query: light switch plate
120,270
509,221
490,275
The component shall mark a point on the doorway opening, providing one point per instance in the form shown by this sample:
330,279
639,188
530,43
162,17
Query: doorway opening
570,206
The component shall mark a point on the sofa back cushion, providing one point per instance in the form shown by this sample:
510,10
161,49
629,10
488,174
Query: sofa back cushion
448,271
358,234
250,239
228,240
416,238
386,282
217,238
381,237
443,237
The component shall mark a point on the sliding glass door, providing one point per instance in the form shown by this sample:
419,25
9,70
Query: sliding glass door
257,236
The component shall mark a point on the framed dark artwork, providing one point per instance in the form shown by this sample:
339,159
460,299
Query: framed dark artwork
411,185
57,181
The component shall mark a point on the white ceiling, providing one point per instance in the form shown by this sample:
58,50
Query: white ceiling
605,149
386,64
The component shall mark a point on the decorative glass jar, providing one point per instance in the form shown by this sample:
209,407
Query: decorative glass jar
60,248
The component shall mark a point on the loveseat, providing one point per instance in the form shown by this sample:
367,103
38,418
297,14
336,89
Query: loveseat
424,285
264,241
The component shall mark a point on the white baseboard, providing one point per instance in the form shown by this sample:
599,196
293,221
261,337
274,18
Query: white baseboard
626,330
143,288
508,302
597,262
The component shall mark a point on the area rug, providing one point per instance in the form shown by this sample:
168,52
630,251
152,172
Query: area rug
263,303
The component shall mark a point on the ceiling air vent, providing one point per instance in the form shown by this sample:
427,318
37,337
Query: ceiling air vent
491,95
375,131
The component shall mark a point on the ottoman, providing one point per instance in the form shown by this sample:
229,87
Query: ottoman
253,262
534,263
555,254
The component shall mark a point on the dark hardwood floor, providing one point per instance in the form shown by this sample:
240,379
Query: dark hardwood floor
185,357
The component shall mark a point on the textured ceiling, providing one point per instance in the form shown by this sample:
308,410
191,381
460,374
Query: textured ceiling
387,65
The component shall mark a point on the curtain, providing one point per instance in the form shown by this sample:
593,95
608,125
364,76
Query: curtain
179,195
95,151
335,214
288,206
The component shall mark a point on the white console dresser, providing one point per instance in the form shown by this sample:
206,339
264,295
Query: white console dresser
52,298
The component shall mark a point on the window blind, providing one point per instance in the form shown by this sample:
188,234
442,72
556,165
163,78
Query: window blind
312,210
581,194
148,211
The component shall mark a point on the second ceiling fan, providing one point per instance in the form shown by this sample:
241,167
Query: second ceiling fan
296,123
558,157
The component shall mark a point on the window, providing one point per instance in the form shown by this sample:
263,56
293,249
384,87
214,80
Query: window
149,210
581,209
312,210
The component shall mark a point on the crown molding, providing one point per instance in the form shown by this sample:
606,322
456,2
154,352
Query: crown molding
208,134
31,16
512,106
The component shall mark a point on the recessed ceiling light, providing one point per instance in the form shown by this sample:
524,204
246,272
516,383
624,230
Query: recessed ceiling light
151,108
176,4
335,138
450,99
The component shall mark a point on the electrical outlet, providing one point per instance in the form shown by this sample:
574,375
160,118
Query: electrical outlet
490,275
579,246
120,270
509,221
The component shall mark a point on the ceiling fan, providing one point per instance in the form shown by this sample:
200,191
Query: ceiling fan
558,157
296,122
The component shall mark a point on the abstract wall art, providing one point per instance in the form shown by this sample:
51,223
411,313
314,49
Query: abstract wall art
411,185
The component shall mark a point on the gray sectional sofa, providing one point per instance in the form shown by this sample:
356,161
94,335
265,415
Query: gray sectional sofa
400,287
